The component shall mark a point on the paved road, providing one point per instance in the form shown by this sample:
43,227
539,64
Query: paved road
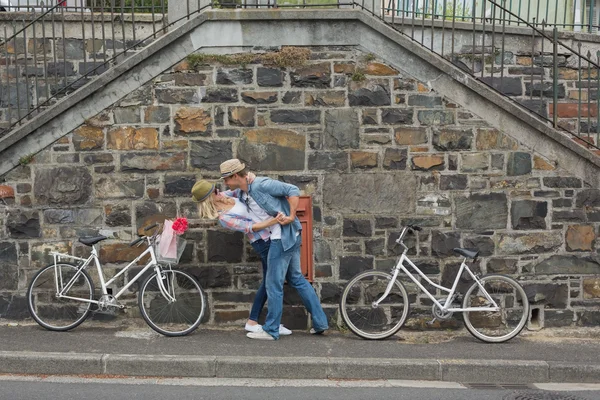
266,390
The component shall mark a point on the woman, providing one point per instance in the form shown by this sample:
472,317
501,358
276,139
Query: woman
234,215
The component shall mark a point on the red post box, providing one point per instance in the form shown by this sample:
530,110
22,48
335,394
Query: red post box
304,214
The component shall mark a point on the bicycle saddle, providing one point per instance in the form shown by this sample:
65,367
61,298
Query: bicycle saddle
89,241
469,253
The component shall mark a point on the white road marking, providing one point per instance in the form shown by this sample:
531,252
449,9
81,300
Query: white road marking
427,384
235,382
568,387
137,334
250,382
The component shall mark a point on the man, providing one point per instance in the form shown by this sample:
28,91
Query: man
266,198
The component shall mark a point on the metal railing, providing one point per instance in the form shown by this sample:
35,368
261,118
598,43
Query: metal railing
571,15
47,54
128,6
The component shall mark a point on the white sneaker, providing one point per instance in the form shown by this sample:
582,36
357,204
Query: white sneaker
253,328
313,332
260,335
283,331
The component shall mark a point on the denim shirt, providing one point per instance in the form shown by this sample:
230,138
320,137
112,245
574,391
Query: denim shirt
270,195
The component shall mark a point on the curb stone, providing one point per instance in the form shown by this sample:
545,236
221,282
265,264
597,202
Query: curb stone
454,370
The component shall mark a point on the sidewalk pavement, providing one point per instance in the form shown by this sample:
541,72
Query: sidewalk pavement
92,349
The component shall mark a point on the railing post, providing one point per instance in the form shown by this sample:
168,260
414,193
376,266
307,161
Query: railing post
591,16
555,76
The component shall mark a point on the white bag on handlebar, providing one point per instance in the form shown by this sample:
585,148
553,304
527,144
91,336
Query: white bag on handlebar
170,246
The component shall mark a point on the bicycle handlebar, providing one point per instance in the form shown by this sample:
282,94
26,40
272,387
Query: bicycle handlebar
150,227
412,228
136,241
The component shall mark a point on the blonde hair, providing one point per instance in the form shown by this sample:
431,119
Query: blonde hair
207,209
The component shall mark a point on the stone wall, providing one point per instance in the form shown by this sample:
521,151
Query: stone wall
375,149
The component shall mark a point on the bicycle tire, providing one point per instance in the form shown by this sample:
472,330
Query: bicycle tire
365,288
52,312
177,318
509,295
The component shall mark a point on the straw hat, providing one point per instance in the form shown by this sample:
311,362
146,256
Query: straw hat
201,190
231,167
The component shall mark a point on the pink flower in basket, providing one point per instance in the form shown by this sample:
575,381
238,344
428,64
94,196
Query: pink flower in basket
180,225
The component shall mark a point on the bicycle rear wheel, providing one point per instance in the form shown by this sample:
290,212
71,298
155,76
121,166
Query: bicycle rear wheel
504,324
362,316
172,318
58,313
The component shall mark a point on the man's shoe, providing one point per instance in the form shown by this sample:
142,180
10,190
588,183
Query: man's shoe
314,332
253,328
260,335
283,331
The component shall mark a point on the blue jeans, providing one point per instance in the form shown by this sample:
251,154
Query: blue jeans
285,265
262,249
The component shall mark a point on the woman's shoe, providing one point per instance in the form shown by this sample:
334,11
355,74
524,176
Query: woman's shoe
253,328
283,331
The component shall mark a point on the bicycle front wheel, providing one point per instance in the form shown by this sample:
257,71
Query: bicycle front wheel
178,311
496,326
59,313
362,316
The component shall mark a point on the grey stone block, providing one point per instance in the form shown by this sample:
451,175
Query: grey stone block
160,365
494,371
376,368
270,367
12,362
573,372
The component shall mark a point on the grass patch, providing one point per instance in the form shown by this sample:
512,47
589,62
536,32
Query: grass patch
370,57
26,159
358,75
286,57
197,60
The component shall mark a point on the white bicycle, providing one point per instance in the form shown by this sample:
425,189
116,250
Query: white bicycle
374,304
61,295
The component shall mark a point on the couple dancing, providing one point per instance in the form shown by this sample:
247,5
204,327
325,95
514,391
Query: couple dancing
264,209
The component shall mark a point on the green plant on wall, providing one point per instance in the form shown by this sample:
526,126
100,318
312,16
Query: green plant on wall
26,159
358,75
284,58
369,57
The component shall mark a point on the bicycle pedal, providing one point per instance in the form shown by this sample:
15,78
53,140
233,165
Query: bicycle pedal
431,322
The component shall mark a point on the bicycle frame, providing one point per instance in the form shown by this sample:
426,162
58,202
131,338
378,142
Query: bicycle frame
61,289
451,292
